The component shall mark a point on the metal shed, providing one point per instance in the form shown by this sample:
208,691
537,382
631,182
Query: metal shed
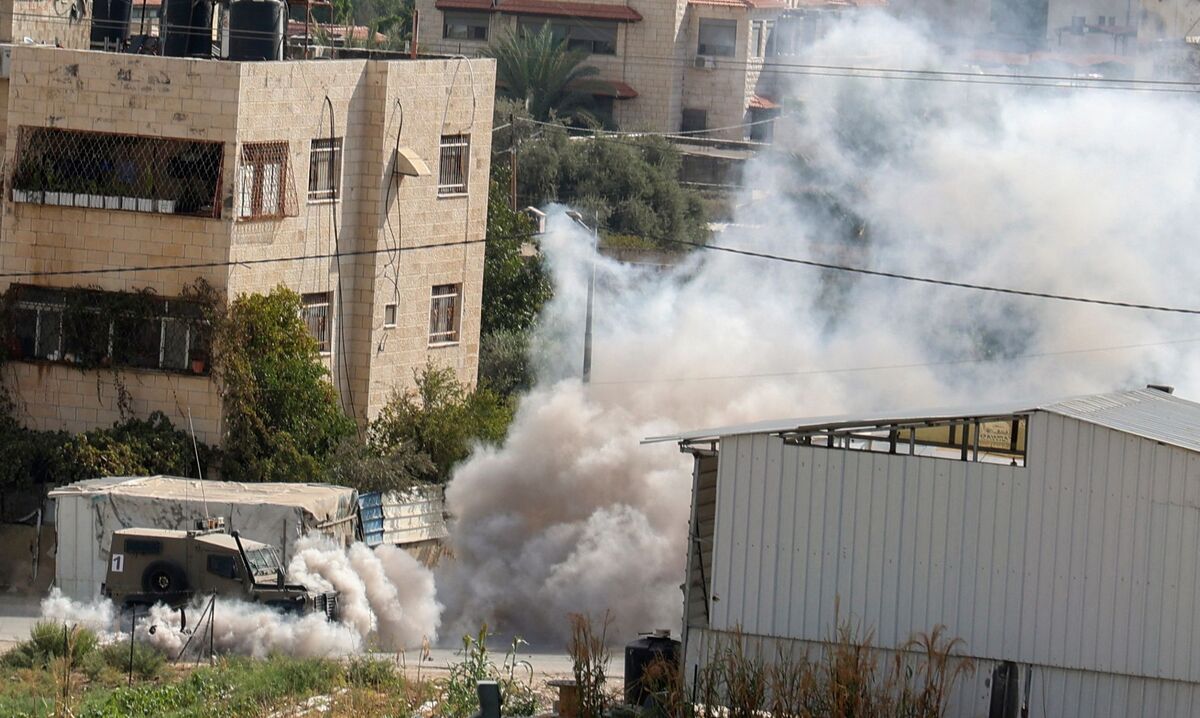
87,513
1062,536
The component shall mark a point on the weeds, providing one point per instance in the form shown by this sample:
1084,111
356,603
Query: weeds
850,679
589,659
49,641
459,697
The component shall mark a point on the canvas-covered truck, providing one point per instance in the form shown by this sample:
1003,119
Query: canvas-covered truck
148,566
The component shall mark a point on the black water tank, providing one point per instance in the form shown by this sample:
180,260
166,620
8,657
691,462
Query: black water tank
639,655
255,30
176,27
110,22
200,37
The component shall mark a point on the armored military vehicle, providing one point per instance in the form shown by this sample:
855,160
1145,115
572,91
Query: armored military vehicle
148,566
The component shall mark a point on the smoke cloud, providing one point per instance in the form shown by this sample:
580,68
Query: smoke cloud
1063,190
386,600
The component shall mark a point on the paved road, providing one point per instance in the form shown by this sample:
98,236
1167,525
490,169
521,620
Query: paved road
17,616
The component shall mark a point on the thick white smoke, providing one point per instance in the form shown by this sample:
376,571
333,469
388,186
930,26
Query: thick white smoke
386,600
1073,191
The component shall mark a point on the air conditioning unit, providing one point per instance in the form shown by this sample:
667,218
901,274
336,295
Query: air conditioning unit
705,63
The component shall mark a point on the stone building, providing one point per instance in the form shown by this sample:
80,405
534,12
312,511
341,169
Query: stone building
361,184
674,66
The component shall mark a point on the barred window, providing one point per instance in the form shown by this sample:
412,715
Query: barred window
67,325
314,310
325,169
262,180
444,310
452,172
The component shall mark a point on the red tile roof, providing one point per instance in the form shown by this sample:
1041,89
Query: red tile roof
747,4
551,8
337,32
619,90
758,102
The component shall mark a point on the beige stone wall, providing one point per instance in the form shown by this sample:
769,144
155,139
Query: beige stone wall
439,237
722,91
127,94
650,57
237,103
370,100
44,21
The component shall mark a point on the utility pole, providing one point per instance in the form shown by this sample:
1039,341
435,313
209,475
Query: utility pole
591,290
512,180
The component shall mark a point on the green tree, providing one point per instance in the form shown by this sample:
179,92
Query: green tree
282,415
441,418
549,80
515,284
630,184
134,447
504,361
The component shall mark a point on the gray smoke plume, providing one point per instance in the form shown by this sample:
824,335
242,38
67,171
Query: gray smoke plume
386,599
1062,190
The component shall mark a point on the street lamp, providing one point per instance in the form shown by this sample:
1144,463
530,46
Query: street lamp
591,287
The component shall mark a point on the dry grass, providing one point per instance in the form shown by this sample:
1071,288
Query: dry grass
849,678
589,658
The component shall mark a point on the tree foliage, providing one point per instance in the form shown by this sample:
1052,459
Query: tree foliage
550,81
282,415
629,184
515,286
441,418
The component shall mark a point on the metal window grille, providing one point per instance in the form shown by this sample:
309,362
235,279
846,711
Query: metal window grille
102,170
444,313
169,340
264,182
452,172
325,169
314,310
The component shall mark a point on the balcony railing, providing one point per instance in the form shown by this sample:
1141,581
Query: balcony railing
102,170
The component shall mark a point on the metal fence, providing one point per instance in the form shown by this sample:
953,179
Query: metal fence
112,171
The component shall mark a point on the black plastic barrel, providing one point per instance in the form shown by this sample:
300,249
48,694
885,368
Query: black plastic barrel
255,30
200,34
639,654
110,22
176,27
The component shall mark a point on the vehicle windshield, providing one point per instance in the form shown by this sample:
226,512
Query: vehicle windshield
263,560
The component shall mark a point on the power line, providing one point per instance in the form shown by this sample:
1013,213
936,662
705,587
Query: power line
931,280
890,367
244,262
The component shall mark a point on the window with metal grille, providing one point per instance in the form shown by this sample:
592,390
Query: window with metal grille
325,169
67,325
444,310
465,26
262,180
314,310
452,171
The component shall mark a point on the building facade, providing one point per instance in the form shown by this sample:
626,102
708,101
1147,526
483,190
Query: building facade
360,184
692,66
1053,538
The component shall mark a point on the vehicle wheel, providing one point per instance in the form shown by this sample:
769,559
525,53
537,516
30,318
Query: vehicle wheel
164,577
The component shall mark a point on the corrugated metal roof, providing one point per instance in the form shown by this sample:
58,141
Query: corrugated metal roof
1149,413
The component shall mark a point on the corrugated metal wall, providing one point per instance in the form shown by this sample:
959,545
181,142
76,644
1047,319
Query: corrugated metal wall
1086,560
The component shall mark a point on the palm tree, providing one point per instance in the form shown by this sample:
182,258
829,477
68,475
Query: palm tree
540,72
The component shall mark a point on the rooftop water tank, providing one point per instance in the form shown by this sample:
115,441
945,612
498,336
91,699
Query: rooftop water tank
256,30
110,23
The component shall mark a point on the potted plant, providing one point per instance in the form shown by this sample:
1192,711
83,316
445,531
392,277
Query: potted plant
95,198
145,200
199,364
129,203
54,193
112,194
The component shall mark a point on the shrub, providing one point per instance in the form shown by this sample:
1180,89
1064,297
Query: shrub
148,662
49,641
369,672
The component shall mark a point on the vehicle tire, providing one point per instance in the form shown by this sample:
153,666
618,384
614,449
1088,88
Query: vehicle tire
164,577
